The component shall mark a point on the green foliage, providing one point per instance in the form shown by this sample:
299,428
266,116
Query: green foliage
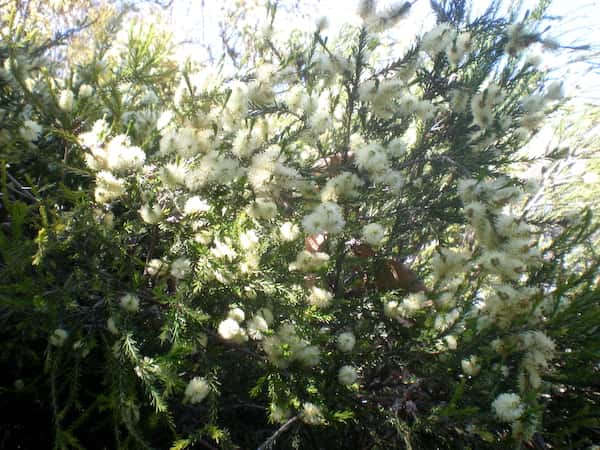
159,303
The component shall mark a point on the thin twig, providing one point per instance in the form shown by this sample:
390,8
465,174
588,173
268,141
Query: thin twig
23,191
269,442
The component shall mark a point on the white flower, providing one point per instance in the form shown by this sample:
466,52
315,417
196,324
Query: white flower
65,100
347,375
343,186
320,121
164,119
413,302
181,268
230,330
263,167
447,262
251,263
483,103
156,267
483,115
272,346
508,407
346,342
467,189
238,100
475,211
410,305
196,390
538,340
58,337
296,98
391,309
533,103
267,314
213,168
437,39
203,237
186,142
470,366
373,233
248,239
319,298
279,414
307,261
444,321
297,349
263,209
451,342
517,38
289,231
108,187
108,220
381,96
85,91
121,157
130,303
236,314
112,326
195,205
458,100
457,50
96,135
257,326
173,175
223,250
311,414
309,355
31,130
168,142
372,158
391,178
245,143
326,218
151,214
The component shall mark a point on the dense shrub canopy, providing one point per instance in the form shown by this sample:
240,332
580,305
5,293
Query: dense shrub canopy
320,241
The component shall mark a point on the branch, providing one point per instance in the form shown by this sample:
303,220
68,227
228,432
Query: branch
22,190
60,38
269,442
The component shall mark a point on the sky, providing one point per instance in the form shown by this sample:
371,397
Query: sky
196,22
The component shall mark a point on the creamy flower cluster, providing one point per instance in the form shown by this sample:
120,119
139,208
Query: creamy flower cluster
286,347
538,350
309,261
408,307
508,407
507,249
483,105
230,329
444,39
325,218
196,390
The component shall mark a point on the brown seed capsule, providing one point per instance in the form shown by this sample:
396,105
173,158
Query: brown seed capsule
363,250
395,275
332,164
315,242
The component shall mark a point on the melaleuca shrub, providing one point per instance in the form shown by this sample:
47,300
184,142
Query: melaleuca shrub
330,239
